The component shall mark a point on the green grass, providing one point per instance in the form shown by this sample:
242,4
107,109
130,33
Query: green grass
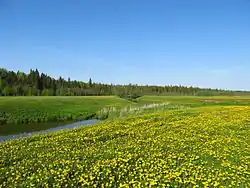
201,146
196,101
147,104
15,111
25,114
135,109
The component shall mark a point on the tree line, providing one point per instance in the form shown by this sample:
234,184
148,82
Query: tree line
35,83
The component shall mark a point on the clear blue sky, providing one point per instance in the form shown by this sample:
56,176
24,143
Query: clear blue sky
203,43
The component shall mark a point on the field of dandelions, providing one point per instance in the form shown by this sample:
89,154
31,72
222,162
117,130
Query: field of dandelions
179,147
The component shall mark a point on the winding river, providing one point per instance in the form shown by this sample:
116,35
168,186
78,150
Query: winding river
62,127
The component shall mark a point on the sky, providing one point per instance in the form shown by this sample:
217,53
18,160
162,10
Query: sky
162,42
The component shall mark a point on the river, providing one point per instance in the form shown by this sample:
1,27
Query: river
62,127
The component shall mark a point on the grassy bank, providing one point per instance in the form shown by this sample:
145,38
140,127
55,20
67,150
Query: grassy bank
25,114
196,101
30,110
147,104
24,110
138,109
205,146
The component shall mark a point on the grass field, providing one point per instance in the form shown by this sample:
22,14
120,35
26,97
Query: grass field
196,101
25,114
188,147
15,111
157,103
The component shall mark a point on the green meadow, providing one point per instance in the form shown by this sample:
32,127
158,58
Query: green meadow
183,147
25,114
18,114
197,100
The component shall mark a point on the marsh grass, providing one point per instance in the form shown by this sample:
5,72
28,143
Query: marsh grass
114,112
19,114
28,110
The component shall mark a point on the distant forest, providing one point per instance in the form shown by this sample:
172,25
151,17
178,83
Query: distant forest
40,84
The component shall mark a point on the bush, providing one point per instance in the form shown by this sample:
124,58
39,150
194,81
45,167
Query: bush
130,97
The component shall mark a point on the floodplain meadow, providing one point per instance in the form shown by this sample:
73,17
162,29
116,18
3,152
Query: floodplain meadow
188,147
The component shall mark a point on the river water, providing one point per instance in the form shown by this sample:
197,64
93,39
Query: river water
62,127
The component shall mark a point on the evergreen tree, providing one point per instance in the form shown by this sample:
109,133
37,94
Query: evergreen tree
90,82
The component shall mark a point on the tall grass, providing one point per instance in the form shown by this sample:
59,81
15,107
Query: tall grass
114,112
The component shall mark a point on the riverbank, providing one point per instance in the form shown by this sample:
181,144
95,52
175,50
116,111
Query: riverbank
49,130
21,114
26,114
